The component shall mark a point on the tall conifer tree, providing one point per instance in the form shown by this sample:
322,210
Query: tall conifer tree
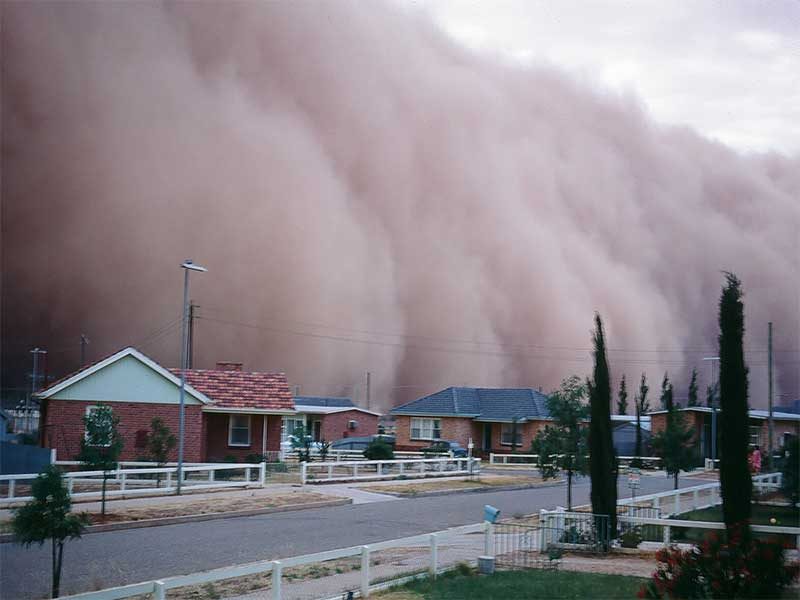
693,389
622,397
735,482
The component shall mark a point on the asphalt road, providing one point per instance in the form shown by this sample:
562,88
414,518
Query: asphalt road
102,560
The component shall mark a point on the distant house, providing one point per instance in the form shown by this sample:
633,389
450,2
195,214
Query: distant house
485,415
330,418
228,412
699,418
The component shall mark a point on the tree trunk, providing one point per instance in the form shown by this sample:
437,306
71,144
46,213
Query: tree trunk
569,490
103,497
676,480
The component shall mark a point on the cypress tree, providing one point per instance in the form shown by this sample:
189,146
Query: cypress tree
666,390
602,462
693,389
642,406
735,482
622,397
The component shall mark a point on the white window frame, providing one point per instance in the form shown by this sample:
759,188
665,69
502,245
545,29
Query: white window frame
231,418
427,429
505,433
285,433
754,433
89,411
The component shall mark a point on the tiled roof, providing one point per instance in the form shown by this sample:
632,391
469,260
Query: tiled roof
485,404
238,389
323,401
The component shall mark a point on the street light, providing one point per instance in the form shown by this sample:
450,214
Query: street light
187,266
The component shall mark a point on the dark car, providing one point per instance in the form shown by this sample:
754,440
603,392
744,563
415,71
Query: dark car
445,446
360,443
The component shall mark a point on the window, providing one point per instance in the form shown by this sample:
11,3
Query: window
290,424
505,434
238,430
105,426
426,429
755,432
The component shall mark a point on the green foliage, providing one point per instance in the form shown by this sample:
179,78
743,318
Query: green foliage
642,406
563,445
693,389
602,464
631,538
735,482
101,445
641,398
622,397
302,442
324,449
790,483
742,567
712,395
379,449
160,442
666,393
48,517
674,444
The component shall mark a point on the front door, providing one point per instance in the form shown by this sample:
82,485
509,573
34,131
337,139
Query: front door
317,430
487,436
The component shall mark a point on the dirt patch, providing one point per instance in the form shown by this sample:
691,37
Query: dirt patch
461,484
206,506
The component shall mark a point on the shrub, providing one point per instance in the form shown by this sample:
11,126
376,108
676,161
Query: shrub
631,538
791,470
742,567
379,450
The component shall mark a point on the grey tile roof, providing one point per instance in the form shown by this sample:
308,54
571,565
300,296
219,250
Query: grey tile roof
484,404
323,401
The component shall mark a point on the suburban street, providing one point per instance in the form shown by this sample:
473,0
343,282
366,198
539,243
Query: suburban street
102,560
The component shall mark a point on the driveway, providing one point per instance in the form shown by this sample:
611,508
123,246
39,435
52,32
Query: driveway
119,557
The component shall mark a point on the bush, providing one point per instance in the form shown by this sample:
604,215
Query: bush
631,538
379,450
743,567
791,470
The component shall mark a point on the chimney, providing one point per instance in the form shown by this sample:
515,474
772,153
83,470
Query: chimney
229,366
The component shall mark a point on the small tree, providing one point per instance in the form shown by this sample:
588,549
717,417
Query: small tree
302,442
622,398
563,446
734,474
324,449
666,392
602,463
642,405
712,393
379,449
160,442
101,445
673,444
693,389
47,517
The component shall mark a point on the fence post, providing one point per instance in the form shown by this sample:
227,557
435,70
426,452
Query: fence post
355,471
211,476
276,580
303,473
70,485
434,556
159,590
379,468
11,483
330,470
401,465
122,482
53,456
655,502
364,571
247,475
695,498
667,536
169,479
678,502
491,458
262,474
541,529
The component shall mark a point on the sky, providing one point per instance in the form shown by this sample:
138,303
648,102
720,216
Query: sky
729,69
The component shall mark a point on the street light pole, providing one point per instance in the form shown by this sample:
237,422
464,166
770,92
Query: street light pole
187,266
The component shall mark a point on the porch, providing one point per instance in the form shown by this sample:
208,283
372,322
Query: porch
242,435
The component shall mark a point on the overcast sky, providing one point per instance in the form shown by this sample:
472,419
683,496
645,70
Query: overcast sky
730,68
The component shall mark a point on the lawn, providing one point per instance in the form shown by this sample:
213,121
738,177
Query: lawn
417,487
763,514
556,585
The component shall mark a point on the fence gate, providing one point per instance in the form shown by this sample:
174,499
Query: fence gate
518,546
576,531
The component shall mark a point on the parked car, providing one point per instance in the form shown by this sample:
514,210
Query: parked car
445,446
360,443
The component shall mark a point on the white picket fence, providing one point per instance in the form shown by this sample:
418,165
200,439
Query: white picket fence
670,501
327,472
496,459
129,482
159,588
358,455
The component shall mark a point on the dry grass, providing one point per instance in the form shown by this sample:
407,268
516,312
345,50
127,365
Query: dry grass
460,484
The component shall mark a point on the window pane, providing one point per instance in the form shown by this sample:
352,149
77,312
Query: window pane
240,436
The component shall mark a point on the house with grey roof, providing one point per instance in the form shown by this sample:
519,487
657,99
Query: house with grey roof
332,418
487,416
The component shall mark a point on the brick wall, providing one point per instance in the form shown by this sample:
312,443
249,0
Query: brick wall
217,440
456,429
64,427
334,426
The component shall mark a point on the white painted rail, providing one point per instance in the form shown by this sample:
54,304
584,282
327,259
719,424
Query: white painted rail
159,587
128,482
327,472
496,458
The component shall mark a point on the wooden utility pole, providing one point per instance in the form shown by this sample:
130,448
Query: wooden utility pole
769,376
368,390
190,361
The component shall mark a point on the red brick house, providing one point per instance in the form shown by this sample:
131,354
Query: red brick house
485,415
228,412
331,419
699,419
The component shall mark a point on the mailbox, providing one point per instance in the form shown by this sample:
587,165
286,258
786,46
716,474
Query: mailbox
490,513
